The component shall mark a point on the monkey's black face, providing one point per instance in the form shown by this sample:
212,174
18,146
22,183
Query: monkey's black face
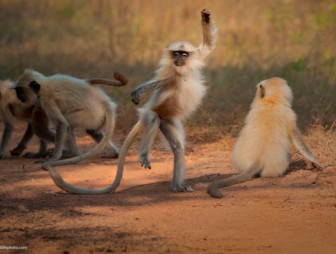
20,94
180,57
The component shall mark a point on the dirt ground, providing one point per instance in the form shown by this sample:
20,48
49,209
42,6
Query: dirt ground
293,214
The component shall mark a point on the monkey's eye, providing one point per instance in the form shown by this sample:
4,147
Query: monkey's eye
180,53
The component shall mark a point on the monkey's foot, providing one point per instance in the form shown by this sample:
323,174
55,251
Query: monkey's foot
17,150
111,153
205,15
144,161
215,192
110,156
181,188
35,155
136,96
65,153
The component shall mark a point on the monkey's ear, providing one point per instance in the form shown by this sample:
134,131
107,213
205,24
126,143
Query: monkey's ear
262,91
35,86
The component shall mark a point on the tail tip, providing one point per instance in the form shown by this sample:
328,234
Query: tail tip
120,77
214,192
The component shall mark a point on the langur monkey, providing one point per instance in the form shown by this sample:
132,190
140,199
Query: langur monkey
11,108
70,102
262,148
178,88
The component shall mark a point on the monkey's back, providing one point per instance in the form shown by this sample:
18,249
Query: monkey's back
264,140
80,103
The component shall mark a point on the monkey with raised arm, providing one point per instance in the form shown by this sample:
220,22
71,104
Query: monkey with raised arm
70,102
263,145
177,90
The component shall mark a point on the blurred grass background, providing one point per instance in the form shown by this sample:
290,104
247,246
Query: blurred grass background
293,39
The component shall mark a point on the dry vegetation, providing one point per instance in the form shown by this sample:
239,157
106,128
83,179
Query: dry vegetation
292,39
93,38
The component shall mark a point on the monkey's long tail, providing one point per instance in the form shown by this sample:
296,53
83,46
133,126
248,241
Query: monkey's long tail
59,181
213,188
120,80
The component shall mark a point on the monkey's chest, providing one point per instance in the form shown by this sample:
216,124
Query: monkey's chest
169,108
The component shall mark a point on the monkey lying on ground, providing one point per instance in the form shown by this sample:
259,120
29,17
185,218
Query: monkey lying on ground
70,102
263,144
178,89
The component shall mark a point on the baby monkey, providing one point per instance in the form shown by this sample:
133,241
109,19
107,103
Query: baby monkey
263,145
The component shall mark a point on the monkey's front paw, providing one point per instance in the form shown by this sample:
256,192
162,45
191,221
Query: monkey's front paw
144,161
205,15
181,188
135,97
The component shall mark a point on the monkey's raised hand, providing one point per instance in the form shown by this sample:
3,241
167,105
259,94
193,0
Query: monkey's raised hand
205,15
136,96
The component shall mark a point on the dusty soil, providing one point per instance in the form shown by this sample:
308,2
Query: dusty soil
293,214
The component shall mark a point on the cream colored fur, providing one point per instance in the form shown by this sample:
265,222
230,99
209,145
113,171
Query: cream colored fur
177,92
263,145
70,102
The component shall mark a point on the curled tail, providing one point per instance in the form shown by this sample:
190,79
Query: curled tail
120,80
59,181
213,188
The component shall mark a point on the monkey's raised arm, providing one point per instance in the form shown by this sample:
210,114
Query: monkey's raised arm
146,87
301,146
209,33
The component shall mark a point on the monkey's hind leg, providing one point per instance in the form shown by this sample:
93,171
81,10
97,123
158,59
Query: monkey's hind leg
152,123
23,142
71,145
173,132
9,127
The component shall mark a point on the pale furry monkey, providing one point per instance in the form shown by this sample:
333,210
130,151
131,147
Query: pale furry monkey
263,145
12,108
70,102
39,122
178,88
